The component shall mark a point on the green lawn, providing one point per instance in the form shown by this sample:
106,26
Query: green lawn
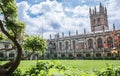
85,65
91,64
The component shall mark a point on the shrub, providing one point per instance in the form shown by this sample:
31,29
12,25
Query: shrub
52,68
17,72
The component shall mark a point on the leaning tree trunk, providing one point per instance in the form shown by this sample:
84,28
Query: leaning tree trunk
17,60
12,67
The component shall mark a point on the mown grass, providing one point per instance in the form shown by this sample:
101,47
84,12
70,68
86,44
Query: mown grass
91,64
84,65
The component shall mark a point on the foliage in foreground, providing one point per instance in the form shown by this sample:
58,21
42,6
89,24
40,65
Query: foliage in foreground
52,68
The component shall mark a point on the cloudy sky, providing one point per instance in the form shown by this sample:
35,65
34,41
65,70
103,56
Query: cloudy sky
45,17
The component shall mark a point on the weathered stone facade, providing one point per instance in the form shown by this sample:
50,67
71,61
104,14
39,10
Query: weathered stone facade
79,46
87,45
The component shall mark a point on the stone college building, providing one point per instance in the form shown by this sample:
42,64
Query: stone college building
101,43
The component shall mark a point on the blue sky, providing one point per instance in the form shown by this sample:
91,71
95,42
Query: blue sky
53,16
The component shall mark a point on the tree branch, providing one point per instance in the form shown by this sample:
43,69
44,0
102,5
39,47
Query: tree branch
5,32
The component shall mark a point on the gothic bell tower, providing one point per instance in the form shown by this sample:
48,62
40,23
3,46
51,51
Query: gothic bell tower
98,20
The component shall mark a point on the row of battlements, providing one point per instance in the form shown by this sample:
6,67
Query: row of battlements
92,34
102,10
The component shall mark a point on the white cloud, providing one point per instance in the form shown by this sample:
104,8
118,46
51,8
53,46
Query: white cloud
53,12
33,24
65,18
22,9
81,10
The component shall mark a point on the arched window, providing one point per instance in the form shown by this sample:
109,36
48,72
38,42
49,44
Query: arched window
66,43
74,45
60,46
90,43
110,42
99,43
11,55
1,55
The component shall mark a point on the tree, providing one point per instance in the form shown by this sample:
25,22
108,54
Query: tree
1,36
34,44
13,28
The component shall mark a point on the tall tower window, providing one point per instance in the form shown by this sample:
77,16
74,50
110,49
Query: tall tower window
73,44
66,43
90,43
60,46
99,42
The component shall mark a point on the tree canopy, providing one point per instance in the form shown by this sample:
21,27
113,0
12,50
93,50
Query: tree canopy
11,22
35,43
